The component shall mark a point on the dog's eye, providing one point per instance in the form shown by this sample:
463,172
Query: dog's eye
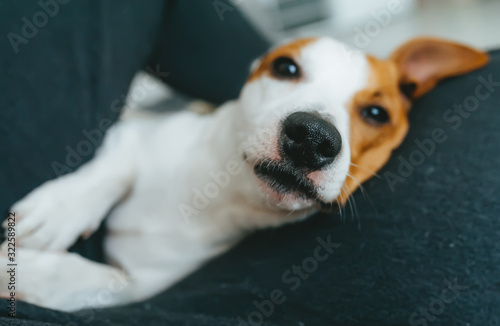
284,67
375,114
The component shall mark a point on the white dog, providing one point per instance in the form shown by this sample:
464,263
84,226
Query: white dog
313,121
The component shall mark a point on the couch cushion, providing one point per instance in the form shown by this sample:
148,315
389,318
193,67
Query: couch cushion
419,246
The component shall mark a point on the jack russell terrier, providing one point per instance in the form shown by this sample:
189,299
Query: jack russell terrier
311,124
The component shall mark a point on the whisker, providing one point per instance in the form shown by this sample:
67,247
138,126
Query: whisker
346,194
360,186
354,209
340,209
363,190
342,215
349,202
371,172
356,213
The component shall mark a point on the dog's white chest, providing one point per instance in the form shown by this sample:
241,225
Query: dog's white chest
149,219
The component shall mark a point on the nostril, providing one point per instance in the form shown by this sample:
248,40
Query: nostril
296,133
309,141
326,149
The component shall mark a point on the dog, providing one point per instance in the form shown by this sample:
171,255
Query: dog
311,124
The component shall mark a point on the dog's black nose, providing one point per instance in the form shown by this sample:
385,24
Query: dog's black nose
309,141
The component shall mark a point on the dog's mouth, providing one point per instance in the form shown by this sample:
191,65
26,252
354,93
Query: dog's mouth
285,179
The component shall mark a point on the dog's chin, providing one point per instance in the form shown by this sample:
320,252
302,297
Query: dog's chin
285,187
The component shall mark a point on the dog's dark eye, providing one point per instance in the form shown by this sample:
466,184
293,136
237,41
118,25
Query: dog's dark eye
284,67
375,114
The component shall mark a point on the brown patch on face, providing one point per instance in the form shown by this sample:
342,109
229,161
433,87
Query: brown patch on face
413,69
372,144
291,50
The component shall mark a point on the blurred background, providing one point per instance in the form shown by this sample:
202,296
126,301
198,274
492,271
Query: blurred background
373,26
381,24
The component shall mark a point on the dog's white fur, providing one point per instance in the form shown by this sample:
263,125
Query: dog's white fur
154,170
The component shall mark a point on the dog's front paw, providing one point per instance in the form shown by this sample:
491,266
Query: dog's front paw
60,280
53,216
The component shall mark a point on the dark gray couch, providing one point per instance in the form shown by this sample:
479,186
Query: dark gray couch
420,247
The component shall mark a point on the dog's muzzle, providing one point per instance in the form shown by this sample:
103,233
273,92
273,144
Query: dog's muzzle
308,141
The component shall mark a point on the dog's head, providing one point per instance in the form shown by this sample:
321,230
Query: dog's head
318,119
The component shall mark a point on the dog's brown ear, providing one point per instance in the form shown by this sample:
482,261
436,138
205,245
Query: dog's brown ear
423,62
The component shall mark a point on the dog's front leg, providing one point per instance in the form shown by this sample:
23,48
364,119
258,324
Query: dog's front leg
64,281
55,214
